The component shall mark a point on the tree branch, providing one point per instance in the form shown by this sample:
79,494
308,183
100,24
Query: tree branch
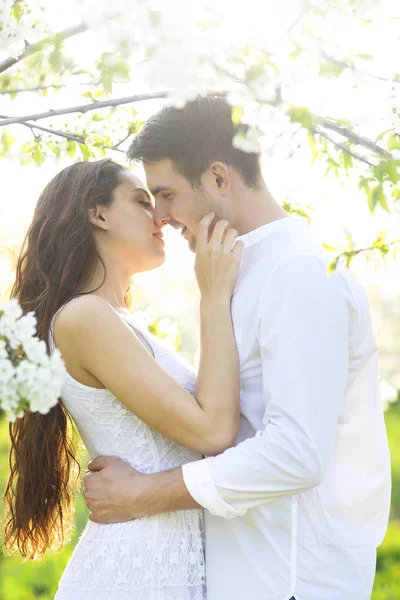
354,137
33,48
121,141
39,88
345,65
344,148
73,137
353,253
68,136
84,108
298,18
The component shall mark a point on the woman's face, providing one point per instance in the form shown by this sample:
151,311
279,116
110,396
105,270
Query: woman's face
129,222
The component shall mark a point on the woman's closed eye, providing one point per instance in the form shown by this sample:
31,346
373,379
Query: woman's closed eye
146,203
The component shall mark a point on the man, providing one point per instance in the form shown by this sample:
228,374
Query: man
298,507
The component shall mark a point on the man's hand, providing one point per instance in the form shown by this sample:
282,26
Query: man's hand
115,492
110,488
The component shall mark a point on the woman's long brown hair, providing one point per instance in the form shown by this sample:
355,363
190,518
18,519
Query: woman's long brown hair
57,261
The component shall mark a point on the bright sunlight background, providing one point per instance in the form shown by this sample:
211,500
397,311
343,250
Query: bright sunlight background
335,207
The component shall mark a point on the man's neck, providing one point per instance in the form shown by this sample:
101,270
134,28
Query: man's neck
254,209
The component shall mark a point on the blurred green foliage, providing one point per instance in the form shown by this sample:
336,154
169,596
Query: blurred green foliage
21,580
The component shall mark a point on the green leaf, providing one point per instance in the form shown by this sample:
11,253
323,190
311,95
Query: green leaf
346,160
388,170
329,248
313,146
7,141
88,95
330,69
374,197
86,154
17,10
363,184
107,82
332,166
27,147
333,265
254,72
302,115
71,148
54,148
393,142
365,56
382,135
348,257
302,213
38,155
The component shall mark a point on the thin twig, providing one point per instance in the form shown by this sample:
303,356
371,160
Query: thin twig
344,148
33,48
359,250
57,132
39,88
345,65
71,136
121,141
298,18
84,108
354,137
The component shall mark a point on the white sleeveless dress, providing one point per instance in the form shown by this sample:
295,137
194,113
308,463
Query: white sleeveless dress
153,558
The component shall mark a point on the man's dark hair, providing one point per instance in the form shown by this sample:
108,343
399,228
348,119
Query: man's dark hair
192,138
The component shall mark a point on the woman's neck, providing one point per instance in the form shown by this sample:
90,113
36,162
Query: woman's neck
110,285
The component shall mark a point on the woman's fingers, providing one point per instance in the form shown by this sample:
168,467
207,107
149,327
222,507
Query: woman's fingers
218,234
230,236
202,231
238,250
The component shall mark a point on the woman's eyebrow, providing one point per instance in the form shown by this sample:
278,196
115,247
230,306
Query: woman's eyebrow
140,189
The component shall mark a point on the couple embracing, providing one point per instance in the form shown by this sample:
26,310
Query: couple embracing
265,475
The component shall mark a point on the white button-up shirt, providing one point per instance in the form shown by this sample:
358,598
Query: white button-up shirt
299,506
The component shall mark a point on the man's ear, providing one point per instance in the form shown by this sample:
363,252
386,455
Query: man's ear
97,217
220,177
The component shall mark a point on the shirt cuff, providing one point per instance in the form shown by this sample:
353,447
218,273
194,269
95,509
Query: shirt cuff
199,483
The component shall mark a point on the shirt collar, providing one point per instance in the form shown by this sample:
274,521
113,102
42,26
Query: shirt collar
257,235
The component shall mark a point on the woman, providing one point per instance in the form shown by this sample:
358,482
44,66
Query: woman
128,395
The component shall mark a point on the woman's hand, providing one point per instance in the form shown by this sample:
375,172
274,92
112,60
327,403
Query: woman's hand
217,264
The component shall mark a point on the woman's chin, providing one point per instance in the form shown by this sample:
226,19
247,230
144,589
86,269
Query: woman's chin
158,260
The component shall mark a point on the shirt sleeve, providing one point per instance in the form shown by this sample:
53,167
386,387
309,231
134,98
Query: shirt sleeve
303,334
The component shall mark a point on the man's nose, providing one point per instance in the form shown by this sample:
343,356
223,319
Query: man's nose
161,216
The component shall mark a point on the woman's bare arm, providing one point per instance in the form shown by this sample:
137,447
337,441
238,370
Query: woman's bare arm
89,331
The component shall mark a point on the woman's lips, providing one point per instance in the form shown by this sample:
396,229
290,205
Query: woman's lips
159,236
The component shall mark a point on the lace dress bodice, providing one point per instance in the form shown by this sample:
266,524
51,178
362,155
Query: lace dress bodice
154,558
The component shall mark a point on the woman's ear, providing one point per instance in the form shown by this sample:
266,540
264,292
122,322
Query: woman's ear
97,217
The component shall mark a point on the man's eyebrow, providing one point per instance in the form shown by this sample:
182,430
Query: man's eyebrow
160,188
140,189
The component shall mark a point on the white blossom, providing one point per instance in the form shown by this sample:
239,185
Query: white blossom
30,379
247,141
14,31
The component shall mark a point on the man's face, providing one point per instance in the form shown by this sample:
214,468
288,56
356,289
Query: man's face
176,201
